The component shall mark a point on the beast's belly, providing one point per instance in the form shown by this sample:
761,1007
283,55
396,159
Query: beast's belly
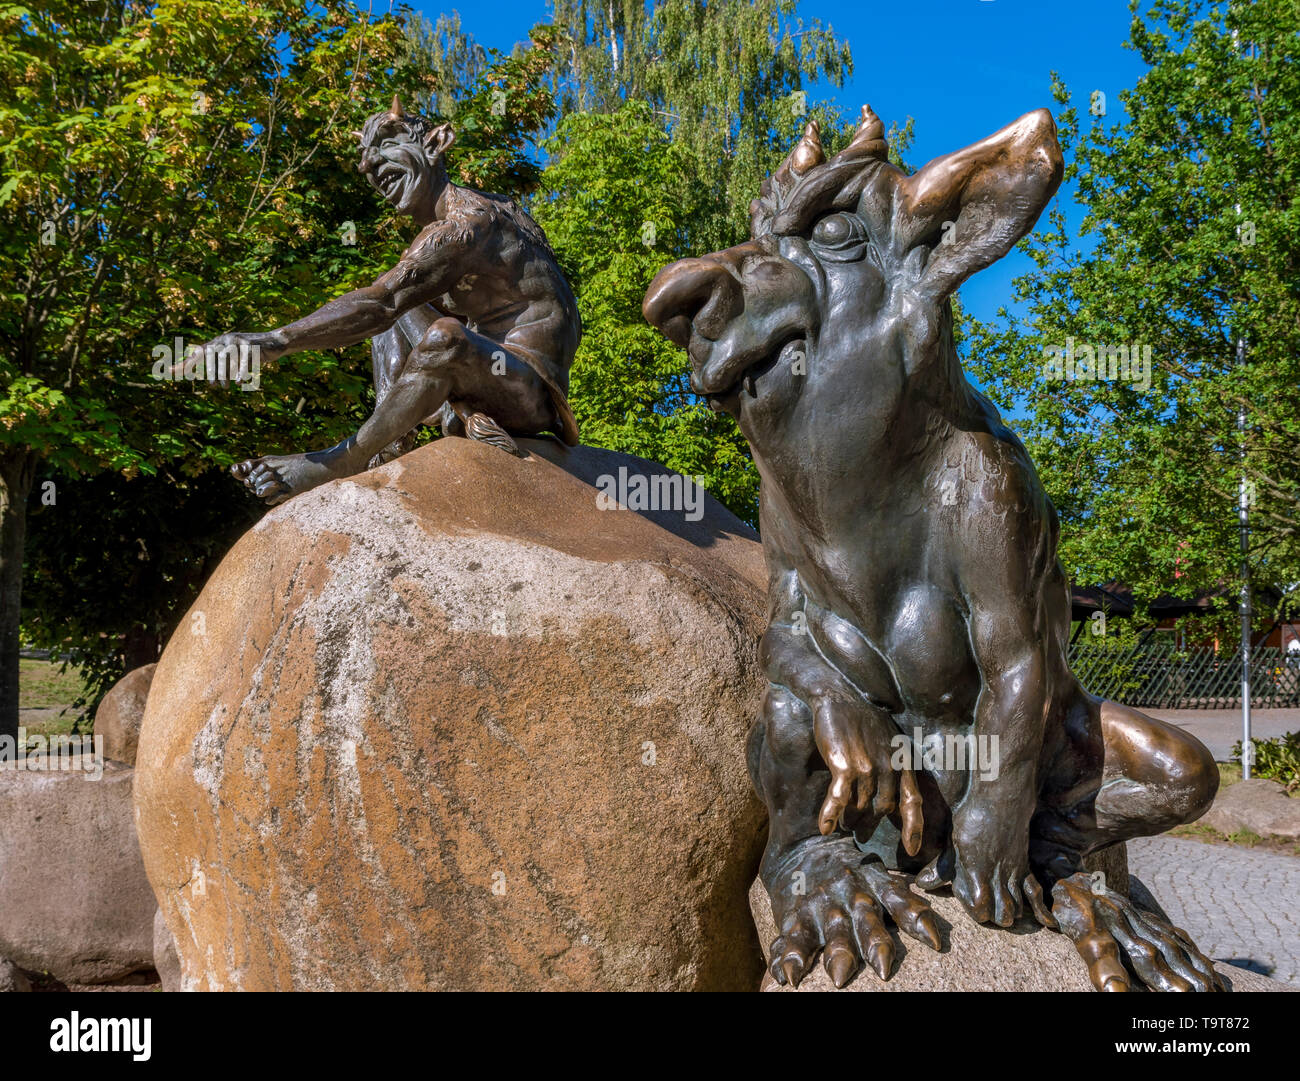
912,655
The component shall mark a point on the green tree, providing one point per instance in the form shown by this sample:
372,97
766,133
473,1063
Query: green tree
727,78
671,115
498,105
448,57
168,171
610,209
1187,241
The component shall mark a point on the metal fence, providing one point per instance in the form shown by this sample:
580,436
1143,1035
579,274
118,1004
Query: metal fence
1159,676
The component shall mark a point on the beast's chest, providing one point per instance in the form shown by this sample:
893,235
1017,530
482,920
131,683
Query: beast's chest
896,627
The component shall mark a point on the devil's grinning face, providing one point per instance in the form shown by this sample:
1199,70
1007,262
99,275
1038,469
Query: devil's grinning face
397,161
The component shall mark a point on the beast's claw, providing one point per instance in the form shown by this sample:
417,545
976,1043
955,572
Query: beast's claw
1108,929
841,962
832,900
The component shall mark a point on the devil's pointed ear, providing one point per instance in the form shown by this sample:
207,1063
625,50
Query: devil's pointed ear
439,140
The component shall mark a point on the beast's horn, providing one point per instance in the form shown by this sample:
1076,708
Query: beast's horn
869,139
809,152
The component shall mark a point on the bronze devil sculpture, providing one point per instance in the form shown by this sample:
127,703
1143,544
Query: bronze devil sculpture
474,329
914,584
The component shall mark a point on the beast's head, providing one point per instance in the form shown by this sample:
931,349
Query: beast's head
837,304
402,155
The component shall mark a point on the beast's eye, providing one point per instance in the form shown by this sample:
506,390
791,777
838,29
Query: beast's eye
839,237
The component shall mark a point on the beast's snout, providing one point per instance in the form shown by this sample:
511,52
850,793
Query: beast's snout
704,294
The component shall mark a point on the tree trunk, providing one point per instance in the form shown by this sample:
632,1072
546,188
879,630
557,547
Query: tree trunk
140,646
17,473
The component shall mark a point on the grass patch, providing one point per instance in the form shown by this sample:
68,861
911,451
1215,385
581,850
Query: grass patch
1197,831
42,687
1229,773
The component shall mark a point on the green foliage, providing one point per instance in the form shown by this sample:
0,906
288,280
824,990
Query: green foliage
1276,759
608,207
726,78
155,189
672,114
496,104
114,565
1188,240
1106,658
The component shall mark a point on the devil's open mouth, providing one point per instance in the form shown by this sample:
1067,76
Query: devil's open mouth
392,178
724,386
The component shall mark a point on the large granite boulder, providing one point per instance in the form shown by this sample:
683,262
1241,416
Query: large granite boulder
165,960
118,718
74,900
452,724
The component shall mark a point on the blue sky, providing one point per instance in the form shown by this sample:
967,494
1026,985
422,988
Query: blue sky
961,68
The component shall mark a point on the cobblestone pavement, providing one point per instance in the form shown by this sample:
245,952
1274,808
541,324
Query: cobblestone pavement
1238,905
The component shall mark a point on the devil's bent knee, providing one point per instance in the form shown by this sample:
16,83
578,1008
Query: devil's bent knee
443,343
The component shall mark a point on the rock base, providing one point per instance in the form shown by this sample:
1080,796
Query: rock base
452,725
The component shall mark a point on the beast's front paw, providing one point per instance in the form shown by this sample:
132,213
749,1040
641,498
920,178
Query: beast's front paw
855,741
991,876
1107,929
831,899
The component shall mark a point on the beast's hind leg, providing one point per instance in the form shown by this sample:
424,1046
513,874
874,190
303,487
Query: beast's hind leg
826,895
1120,774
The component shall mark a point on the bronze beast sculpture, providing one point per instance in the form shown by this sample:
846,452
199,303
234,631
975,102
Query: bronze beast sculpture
914,583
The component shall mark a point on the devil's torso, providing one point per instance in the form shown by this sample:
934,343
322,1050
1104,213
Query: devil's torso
501,280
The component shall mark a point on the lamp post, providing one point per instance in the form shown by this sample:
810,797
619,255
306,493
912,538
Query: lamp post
1243,517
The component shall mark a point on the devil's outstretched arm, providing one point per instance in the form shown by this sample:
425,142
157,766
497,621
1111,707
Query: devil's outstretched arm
422,275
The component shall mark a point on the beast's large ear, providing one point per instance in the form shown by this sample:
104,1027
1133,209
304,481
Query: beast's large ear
972,206
439,140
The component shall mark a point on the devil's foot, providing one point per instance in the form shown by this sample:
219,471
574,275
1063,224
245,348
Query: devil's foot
1117,940
277,477
486,430
826,898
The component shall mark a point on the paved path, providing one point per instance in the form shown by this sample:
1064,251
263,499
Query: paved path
1219,729
1238,905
